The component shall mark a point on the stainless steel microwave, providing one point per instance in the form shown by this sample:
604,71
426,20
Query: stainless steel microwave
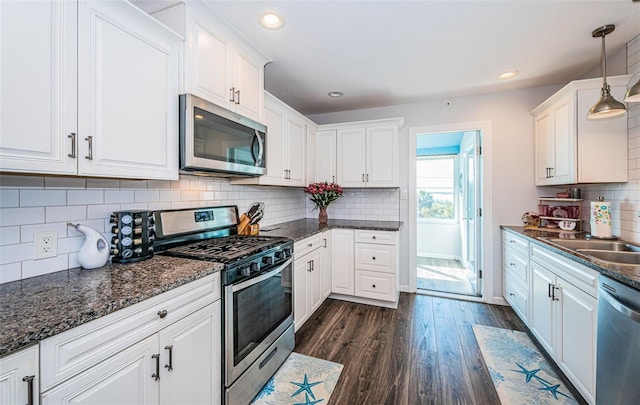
214,140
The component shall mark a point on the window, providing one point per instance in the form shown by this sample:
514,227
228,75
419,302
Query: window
435,177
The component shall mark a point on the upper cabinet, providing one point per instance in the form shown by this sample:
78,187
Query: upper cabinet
88,88
219,65
571,149
285,146
366,153
325,156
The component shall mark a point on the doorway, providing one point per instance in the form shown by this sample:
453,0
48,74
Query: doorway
447,188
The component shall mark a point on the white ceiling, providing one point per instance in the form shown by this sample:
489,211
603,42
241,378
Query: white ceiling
392,52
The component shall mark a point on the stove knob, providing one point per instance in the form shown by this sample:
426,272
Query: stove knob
280,255
246,271
254,267
287,252
268,260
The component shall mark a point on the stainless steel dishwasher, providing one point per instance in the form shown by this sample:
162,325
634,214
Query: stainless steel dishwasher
618,366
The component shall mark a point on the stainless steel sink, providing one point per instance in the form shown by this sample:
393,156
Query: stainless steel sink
618,257
594,244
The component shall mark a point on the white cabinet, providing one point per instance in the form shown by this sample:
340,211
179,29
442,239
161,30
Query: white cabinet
366,153
104,90
220,66
163,350
285,146
325,156
342,270
571,149
19,378
516,274
376,265
326,253
309,277
563,315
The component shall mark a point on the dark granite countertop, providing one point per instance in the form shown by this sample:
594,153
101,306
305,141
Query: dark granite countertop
303,228
627,274
36,308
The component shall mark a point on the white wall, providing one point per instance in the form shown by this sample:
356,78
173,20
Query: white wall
511,161
439,239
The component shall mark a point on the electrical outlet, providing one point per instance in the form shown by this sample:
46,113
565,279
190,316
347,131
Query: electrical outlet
45,244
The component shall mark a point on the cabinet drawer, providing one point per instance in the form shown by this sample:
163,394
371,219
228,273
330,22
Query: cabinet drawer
515,241
516,296
376,237
517,263
581,276
380,286
375,257
75,350
306,245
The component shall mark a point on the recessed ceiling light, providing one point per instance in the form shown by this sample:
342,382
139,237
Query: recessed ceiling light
336,94
271,21
508,74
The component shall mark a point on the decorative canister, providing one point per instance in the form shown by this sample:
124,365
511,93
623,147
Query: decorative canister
600,218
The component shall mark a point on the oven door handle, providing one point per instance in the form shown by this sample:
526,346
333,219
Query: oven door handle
250,282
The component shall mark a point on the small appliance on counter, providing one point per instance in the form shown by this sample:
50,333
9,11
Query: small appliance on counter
600,219
94,252
133,236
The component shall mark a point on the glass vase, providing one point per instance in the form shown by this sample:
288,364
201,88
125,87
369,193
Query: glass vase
322,215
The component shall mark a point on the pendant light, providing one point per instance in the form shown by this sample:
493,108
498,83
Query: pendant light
607,106
633,94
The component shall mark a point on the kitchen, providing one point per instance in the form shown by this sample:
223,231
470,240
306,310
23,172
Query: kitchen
39,203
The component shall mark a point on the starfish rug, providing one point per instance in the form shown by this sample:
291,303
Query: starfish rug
518,370
301,380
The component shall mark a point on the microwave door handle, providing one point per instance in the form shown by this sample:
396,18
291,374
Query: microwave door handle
257,159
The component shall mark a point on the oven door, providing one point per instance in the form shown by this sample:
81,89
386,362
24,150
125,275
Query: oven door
257,312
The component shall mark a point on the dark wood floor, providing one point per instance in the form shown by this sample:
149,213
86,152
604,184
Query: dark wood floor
424,352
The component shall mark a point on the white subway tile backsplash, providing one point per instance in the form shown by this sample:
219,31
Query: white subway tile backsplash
9,235
139,184
10,272
70,245
170,195
21,216
39,198
16,253
102,211
26,231
158,184
85,197
65,214
32,268
65,182
103,183
146,196
119,196
9,198
16,181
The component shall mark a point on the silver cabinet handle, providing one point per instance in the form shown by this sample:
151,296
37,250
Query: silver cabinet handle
367,177
170,365
512,264
156,375
310,244
238,94
553,293
325,242
309,266
374,236
89,139
162,313
232,91
29,380
363,177
333,178
72,136
549,290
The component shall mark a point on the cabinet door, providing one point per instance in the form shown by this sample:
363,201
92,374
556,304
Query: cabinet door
326,156
577,354
542,315
326,264
382,157
342,266
38,86
208,62
314,281
190,359
295,151
544,151
13,370
128,80
275,119
301,270
564,167
248,80
125,378
310,158
351,144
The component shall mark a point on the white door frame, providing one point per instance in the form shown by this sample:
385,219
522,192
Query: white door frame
487,216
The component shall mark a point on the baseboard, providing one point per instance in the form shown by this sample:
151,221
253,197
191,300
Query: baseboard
367,301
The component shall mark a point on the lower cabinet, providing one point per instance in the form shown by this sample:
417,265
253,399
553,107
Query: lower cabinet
311,275
19,378
342,271
165,350
563,315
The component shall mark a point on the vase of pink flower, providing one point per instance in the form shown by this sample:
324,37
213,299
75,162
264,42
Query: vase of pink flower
322,194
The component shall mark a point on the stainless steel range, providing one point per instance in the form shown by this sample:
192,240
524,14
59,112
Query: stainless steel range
257,291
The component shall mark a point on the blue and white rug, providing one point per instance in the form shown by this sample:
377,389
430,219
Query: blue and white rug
519,371
301,380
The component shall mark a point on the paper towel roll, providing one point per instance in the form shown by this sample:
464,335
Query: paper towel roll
600,219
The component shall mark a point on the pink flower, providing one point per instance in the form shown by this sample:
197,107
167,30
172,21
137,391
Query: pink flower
323,194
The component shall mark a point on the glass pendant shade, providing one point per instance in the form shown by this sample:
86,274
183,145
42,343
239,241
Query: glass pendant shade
633,94
607,106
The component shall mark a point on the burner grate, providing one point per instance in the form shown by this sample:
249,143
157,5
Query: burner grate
227,249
